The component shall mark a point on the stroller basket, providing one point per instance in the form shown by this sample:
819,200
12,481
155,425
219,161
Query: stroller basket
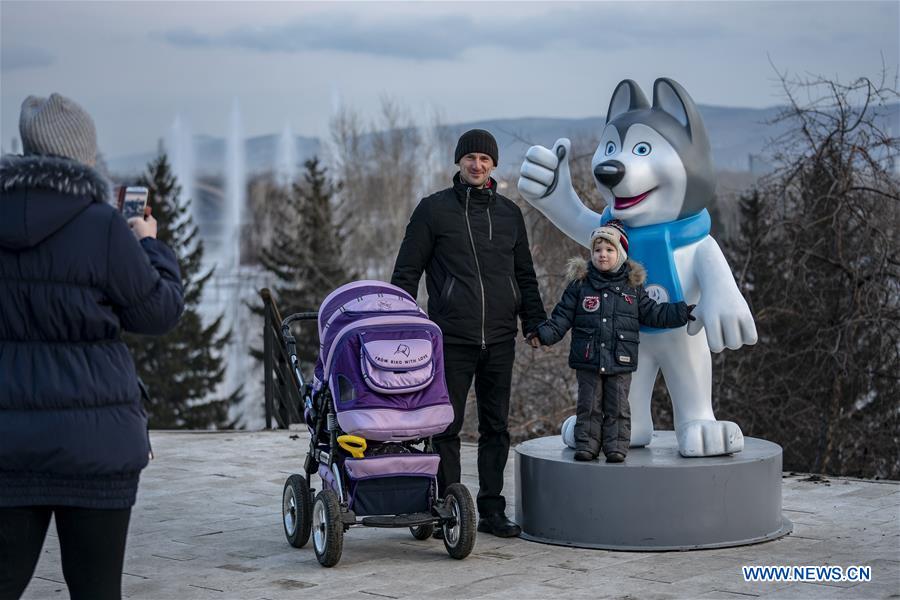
392,484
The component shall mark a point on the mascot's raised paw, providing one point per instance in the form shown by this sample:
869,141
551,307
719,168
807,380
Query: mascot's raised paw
709,438
546,182
543,170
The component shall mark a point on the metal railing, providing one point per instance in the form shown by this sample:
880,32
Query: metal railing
284,403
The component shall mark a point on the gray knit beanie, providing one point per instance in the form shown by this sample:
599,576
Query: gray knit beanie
58,126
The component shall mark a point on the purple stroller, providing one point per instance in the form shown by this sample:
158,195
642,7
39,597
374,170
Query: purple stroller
378,393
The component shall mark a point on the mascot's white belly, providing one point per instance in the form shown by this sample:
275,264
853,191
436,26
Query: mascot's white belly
684,264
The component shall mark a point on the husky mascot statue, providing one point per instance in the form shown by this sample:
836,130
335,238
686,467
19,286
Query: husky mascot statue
654,169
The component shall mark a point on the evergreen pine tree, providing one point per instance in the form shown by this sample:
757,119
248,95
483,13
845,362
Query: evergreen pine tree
184,367
306,255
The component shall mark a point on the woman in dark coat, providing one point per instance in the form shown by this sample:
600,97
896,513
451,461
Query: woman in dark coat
73,276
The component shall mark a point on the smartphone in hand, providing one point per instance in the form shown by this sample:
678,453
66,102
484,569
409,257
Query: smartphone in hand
132,200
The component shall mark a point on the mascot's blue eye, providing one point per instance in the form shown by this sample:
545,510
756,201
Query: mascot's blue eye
642,149
610,148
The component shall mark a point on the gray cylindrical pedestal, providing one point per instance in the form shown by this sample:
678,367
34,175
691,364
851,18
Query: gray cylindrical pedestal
655,500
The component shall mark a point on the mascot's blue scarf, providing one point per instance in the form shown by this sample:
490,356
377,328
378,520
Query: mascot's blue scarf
654,246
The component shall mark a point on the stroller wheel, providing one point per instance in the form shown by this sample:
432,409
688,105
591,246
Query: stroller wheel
459,539
422,532
296,510
328,529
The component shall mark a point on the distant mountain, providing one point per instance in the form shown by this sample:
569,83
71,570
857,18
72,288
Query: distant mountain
736,134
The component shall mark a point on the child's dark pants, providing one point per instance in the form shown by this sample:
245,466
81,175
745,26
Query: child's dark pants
602,417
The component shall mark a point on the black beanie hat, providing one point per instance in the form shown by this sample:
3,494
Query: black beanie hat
476,140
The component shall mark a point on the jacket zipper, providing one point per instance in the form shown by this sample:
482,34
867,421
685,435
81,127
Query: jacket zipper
477,266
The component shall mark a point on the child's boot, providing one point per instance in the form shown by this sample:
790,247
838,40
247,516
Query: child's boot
615,457
584,455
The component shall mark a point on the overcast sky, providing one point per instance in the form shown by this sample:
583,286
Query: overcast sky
136,65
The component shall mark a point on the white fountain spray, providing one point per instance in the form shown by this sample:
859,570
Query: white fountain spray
286,157
181,143
235,190
229,269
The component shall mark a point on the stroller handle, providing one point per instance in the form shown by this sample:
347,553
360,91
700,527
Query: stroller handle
291,343
301,316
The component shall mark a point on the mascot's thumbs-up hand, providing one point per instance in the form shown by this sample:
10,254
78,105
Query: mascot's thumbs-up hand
546,183
545,171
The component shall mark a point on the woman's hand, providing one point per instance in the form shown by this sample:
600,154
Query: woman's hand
143,227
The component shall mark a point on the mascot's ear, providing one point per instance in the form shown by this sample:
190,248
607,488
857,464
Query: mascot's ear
672,99
627,97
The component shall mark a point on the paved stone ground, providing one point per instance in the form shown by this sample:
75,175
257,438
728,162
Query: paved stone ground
207,524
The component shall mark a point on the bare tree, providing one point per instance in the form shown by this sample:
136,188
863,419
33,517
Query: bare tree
385,167
818,257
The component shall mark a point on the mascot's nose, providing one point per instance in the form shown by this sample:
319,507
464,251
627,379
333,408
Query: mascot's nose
609,173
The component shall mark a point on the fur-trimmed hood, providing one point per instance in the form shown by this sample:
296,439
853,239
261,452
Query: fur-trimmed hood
27,217
577,268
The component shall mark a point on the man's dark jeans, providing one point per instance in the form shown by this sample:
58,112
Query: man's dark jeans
492,370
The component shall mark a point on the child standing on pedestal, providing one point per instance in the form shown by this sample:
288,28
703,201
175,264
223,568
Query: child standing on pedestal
604,305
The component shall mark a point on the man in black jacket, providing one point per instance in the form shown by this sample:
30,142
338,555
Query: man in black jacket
472,245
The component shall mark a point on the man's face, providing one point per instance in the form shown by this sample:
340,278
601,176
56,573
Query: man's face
476,168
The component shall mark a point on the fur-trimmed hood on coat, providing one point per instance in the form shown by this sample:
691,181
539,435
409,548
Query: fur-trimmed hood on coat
577,268
31,208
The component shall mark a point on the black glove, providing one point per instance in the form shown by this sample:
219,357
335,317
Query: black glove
691,308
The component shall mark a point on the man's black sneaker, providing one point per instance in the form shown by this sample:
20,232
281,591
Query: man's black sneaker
615,457
584,455
497,524
438,533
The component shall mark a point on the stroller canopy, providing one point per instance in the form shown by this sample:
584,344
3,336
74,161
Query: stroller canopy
350,302
382,359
